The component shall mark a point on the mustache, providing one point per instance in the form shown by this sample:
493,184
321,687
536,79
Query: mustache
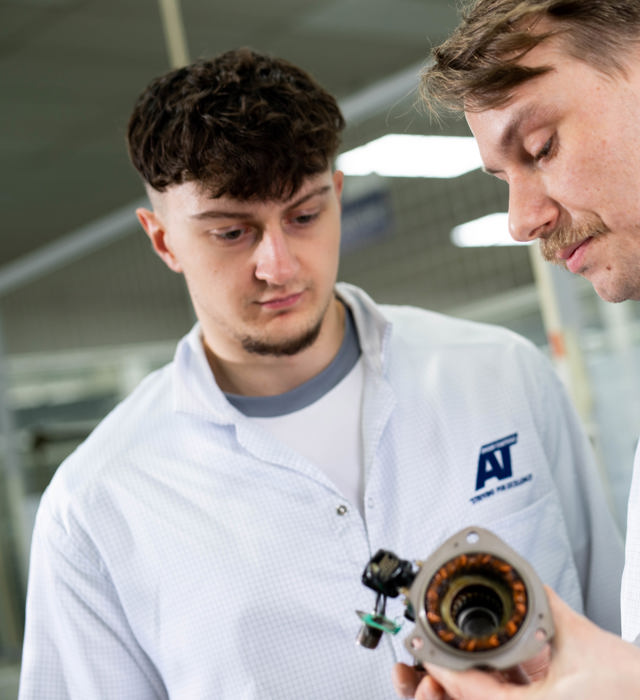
565,236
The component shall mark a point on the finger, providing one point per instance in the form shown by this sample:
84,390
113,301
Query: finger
430,689
538,667
474,685
411,682
516,674
569,625
406,679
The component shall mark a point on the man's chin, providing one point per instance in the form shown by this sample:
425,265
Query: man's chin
612,298
614,293
281,348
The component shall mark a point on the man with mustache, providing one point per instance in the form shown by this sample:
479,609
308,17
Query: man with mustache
208,539
551,91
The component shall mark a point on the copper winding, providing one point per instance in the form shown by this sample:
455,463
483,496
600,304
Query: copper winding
492,568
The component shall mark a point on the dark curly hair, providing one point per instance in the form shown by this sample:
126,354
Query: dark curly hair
477,67
242,124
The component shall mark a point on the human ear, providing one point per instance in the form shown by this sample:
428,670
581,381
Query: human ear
157,233
338,182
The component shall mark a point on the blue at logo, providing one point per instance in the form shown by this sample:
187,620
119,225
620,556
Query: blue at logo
495,460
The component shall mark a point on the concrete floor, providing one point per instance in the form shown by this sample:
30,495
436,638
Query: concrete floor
9,682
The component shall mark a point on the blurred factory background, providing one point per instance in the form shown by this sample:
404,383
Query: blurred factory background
86,310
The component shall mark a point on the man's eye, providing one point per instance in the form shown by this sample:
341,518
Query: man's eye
545,150
232,235
305,218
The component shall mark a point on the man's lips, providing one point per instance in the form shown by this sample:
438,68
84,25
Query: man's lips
573,255
281,302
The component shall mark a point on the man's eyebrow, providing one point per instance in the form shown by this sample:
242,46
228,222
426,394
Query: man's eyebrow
508,134
218,214
315,192
239,214
321,189
525,113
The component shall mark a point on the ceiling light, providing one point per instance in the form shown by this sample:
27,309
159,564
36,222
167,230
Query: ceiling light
489,230
406,155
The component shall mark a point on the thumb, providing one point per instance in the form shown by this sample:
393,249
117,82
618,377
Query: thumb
475,685
567,621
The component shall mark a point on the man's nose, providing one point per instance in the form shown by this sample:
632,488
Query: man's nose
532,213
276,262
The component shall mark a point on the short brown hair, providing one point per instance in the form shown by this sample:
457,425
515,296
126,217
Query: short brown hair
476,68
242,124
